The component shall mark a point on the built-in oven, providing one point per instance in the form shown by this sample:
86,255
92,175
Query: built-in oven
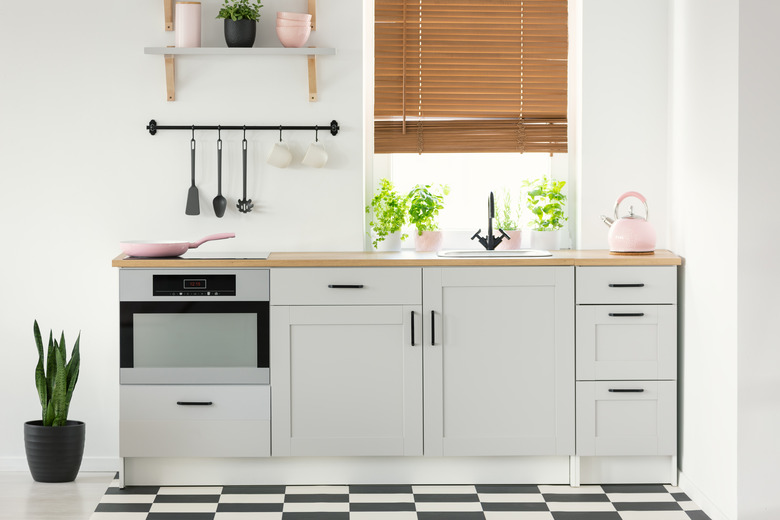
186,326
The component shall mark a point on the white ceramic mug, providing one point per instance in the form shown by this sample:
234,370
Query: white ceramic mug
187,24
316,156
280,155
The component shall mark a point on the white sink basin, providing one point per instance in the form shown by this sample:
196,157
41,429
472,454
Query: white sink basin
484,253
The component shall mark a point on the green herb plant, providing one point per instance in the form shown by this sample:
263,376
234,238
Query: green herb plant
55,382
425,203
240,10
546,201
389,212
507,214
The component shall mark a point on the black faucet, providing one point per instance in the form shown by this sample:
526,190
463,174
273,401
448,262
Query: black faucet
490,242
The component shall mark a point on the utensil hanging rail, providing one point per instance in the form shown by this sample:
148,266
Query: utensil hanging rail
153,127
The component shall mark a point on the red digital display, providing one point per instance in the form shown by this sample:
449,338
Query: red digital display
194,283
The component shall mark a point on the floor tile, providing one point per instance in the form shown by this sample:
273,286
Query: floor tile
314,490
358,498
438,490
654,515
515,515
248,498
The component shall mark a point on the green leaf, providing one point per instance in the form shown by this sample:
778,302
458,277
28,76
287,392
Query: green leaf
40,374
60,390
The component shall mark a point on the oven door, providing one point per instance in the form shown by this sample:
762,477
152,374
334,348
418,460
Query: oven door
194,342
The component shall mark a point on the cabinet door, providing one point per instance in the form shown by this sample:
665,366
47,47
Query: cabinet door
346,380
499,360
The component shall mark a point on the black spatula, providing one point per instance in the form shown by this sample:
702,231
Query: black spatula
193,204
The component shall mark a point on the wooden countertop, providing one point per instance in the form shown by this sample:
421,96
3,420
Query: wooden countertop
405,258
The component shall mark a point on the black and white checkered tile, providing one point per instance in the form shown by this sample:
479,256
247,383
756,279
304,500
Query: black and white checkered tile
397,502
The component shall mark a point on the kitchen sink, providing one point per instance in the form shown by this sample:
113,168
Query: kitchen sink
484,253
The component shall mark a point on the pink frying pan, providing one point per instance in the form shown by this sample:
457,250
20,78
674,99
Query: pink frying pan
149,249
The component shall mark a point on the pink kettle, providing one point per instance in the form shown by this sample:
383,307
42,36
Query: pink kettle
631,233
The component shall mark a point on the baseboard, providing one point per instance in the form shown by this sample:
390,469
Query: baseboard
87,464
700,499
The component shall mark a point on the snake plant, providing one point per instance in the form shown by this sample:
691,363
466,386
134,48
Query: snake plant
55,382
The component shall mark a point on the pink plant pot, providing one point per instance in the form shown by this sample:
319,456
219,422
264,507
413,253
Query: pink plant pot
281,22
513,242
293,36
428,241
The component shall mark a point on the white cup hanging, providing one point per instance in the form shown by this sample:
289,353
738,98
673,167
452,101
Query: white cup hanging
316,155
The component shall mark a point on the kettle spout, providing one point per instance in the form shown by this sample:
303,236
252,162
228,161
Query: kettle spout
608,221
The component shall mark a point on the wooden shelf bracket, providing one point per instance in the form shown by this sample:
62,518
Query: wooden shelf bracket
168,6
170,76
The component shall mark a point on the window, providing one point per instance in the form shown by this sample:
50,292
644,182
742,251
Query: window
455,76
473,94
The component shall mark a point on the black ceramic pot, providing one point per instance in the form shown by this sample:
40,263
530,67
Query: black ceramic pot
240,33
54,452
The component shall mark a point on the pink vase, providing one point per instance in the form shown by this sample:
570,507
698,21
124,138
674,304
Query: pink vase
514,240
428,241
187,24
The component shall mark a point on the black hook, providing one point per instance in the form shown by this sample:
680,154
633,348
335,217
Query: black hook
244,132
280,133
219,132
193,132
316,134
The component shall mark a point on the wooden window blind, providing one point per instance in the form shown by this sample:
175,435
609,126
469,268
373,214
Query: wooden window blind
470,76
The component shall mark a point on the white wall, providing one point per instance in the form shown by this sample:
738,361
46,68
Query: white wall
623,113
80,172
759,249
705,176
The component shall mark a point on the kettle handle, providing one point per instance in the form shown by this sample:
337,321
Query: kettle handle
635,194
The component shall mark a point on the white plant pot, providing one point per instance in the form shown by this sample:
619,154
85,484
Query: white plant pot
515,237
546,240
392,242
428,241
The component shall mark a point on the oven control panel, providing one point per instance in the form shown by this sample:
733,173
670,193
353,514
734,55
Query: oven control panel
194,285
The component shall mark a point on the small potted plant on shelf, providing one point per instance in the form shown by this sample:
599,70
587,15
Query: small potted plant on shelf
240,22
54,445
545,199
425,203
388,208
508,219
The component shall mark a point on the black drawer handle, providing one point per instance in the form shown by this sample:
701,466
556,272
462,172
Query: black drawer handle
626,314
626,285
626,390
337,286
433,328
194,403
412,328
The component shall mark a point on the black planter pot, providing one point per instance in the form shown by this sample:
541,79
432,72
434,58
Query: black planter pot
54,452
240,33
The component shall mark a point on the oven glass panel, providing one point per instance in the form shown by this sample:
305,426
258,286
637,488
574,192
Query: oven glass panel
195,340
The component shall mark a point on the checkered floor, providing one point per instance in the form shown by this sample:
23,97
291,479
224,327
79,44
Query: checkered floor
397,502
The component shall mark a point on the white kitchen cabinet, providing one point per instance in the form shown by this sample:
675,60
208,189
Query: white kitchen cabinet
626,418
626,361
347,373
194,421
499,360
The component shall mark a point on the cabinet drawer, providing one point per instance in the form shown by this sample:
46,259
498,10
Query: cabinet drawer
346,286
626,418
636,284
626,342
236,423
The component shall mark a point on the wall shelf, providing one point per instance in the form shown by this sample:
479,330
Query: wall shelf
170,54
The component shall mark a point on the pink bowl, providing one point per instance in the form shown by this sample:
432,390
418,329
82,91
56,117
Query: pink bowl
293,36
291,23
294,16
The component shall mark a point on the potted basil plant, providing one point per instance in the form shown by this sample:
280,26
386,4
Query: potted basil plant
425,202
546,200
388,210
240,22
507,218
55,445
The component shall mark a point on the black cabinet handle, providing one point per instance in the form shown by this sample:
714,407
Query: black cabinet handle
412,328
194,403
626,314
433,328
337,286
626,390
626,285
